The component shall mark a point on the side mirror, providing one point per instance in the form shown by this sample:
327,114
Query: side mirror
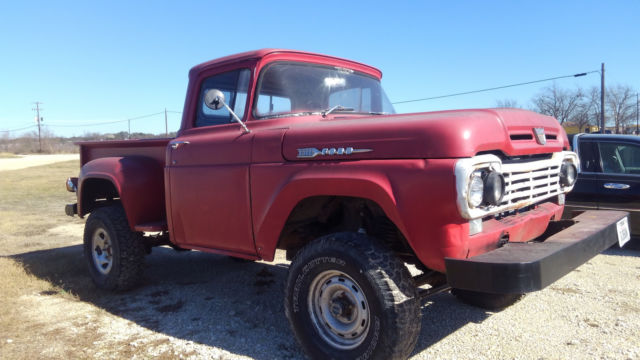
214,99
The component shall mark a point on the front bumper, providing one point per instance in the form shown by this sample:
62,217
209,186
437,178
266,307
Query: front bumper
71,209
530,266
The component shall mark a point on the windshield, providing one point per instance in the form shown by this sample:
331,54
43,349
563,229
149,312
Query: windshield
286,88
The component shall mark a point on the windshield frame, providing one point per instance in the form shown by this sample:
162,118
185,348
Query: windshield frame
263,70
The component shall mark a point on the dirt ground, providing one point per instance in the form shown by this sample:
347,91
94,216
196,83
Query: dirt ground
194,305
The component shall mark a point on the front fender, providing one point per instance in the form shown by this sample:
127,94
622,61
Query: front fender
138,181
271,213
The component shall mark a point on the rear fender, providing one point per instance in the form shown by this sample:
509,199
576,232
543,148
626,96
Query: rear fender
371,186
138,181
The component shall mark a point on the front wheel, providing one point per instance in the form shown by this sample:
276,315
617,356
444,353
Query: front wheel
114,253
349,297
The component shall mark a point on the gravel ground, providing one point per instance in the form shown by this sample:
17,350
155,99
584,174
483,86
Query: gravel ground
202,306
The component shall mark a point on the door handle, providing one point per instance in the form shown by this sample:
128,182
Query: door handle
616,186
177,144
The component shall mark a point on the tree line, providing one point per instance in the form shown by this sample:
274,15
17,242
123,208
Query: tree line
581,107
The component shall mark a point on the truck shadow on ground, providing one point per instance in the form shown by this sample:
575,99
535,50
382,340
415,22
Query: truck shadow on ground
631,248
216,300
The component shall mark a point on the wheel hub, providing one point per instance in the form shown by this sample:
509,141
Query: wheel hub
102,251
339,309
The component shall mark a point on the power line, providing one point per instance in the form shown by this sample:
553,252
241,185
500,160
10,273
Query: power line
496,88
39,120
106,122
88,124
24,128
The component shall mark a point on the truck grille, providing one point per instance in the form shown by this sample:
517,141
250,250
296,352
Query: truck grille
530,182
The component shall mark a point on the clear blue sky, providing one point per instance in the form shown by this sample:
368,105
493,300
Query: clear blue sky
91,62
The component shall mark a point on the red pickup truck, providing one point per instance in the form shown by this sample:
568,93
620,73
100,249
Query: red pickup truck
303,152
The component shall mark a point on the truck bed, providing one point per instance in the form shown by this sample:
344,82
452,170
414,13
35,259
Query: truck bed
138,177
152,148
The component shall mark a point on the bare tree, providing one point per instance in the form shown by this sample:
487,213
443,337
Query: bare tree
507,103
557,102
4,141
620,105
582,116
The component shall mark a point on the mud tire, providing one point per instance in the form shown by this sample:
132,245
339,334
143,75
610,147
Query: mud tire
126,248
393,308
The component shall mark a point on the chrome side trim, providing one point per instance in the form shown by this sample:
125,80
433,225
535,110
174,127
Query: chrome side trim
310,153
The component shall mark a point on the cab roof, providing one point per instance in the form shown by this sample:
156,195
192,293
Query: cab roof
259,54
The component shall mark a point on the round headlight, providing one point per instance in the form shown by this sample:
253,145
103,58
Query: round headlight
476,189
493,187
568,174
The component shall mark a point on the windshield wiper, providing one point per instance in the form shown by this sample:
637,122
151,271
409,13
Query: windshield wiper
337,107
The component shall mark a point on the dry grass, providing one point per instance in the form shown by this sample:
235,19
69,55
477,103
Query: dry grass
8,155
48,306
32,203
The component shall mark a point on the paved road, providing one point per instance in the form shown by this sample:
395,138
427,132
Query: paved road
26,161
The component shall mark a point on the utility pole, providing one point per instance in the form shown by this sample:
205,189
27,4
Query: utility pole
129,127
602,100
166,128
38,121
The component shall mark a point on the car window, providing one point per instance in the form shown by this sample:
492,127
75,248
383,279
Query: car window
235,86
588,157
299,88
620,158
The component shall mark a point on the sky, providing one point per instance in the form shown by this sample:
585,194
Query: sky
91,62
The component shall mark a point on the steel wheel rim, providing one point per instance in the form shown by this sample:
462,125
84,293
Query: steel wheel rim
338,309
102,251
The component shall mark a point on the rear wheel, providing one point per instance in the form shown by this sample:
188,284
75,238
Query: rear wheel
114,253
349,297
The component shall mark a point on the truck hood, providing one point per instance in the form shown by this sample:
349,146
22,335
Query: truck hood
443,134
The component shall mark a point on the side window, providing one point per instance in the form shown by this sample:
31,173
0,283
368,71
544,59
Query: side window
588,157
235,86
273,105
620,158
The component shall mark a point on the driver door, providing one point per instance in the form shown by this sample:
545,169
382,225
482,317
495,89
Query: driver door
209,174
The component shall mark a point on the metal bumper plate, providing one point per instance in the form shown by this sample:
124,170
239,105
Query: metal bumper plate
525,267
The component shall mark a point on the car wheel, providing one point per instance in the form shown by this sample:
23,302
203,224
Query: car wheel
114,253
347,297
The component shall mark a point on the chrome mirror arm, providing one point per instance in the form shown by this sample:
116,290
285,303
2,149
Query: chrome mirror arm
236,118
